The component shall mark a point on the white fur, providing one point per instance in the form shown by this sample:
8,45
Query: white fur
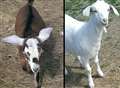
34,53
83,39
16,40
13,39
45,33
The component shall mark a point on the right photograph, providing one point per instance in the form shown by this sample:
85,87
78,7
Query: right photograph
92,43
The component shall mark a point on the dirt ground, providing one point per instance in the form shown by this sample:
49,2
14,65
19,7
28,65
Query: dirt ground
109,60
11,73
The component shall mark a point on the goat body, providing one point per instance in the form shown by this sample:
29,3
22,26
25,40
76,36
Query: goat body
22,19
82,38
22,29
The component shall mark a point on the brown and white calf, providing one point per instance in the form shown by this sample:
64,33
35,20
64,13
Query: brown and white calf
31,32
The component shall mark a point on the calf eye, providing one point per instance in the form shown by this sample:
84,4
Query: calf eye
35,60
92,9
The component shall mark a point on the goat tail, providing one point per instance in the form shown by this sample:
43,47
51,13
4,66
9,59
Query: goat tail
30,2
28,27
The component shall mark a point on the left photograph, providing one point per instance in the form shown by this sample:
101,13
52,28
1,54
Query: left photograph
31,44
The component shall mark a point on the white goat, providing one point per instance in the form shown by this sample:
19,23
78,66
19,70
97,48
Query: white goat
83,39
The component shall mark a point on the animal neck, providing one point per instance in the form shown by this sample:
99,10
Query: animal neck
95,25
95,29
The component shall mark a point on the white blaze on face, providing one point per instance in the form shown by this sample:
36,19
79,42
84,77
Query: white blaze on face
32,53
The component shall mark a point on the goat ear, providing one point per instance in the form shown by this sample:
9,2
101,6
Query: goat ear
86,11
114,10
44,34
13,39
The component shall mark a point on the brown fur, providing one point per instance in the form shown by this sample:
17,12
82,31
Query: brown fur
36,24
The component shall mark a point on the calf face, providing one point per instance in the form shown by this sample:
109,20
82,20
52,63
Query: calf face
32,50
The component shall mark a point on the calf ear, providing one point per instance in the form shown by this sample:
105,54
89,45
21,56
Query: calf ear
114,10
44,34
13,39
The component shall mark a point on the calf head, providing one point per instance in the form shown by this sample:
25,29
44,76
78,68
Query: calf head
32,48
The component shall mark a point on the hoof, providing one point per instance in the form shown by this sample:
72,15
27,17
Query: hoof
91,85
101,74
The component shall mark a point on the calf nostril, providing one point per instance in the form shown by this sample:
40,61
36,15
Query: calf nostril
35,69
35,60
104,20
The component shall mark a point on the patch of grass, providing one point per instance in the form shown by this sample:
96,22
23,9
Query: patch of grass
104,65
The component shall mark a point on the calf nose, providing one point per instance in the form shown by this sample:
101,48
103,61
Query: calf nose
35,60
36,69
104,21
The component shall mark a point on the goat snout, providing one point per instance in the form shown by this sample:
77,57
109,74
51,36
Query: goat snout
35,60
36,69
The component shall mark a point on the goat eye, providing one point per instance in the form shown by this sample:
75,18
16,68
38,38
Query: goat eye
38,45
94,11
